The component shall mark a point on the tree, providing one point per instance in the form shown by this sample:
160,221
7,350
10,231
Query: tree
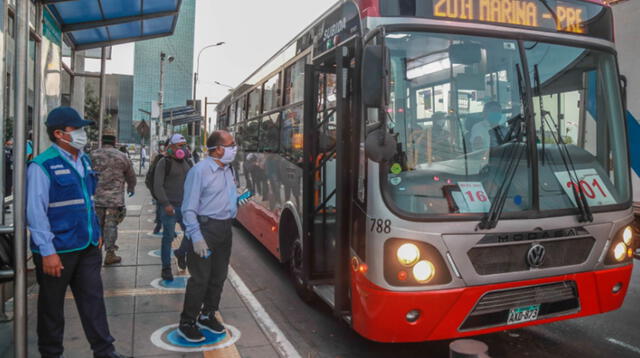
92,113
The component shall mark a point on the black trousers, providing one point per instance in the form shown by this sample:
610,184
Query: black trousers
81,272
204,287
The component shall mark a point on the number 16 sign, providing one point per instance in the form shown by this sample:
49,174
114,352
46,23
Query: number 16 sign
476,198
589,183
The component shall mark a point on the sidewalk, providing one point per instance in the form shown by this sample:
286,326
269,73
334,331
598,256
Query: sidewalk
137,309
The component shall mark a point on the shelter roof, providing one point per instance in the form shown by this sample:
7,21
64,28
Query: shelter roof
98,23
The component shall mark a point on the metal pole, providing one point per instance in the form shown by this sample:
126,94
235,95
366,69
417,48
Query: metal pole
161,94
20,122
103,62
204,137
195,82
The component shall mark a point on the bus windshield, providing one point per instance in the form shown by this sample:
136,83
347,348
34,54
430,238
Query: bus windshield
456,103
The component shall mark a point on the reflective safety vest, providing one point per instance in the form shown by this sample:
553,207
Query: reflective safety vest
71,211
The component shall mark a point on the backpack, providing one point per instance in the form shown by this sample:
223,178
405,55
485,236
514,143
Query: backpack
149,178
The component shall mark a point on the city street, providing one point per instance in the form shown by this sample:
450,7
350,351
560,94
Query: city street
316,333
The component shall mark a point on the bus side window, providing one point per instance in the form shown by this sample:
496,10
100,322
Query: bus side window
269,133
232,113
291,134
271,93
254,103
294,82
242,109
252,129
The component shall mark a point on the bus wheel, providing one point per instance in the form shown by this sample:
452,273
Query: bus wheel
295,269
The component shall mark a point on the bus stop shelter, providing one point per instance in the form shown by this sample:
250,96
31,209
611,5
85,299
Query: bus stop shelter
85,24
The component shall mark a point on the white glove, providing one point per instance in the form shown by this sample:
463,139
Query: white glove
201,249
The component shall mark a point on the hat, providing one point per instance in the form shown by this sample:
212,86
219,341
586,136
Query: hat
176,139
66,117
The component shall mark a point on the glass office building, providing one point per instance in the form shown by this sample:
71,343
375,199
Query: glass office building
178,80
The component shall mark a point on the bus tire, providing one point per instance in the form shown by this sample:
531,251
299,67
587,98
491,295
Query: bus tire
295,270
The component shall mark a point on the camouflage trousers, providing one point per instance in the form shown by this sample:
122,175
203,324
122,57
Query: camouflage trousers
110,218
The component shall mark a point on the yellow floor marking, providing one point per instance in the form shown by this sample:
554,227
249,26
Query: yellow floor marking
228,352
130,292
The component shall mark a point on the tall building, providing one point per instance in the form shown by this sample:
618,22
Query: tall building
178,80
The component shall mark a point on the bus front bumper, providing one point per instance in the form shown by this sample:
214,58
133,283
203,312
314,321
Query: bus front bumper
381,315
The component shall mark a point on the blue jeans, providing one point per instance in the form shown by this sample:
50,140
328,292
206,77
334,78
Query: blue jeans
169,233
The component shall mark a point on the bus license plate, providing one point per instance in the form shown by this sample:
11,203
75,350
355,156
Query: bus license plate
523,314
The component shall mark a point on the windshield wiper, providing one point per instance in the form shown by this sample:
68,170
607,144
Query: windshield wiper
516,133
578,195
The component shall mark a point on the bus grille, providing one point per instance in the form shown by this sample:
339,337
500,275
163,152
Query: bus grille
493,308
489,260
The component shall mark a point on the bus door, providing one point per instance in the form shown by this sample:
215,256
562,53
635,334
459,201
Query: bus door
327,178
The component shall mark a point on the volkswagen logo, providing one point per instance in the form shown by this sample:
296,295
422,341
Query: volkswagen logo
535,256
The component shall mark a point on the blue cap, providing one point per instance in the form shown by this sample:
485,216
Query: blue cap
66,117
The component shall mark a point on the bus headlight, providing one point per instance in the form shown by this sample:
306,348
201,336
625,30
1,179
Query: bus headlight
424,271
620,251
408,254
627,235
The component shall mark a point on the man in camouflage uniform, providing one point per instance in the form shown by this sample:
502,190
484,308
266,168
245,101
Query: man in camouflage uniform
114,169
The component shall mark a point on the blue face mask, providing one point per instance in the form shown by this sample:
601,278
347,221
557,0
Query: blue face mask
495,118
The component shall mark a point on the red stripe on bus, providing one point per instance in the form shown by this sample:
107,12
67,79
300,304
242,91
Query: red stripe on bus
379,314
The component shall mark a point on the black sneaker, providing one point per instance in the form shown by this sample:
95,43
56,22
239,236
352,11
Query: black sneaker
209,321
182,259
167,275
190,332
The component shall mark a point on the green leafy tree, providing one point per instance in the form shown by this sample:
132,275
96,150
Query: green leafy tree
92,113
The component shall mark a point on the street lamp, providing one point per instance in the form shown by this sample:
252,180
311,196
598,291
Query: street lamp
223,85
195,84
195,74
153,145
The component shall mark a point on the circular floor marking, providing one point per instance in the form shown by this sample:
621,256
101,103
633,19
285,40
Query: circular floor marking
168,339
178,283
178,233
156,253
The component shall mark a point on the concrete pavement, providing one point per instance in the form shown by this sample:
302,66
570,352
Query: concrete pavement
138,306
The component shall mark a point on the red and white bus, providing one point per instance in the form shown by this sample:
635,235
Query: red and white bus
442,168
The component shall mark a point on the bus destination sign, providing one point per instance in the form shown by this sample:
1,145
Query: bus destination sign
559,15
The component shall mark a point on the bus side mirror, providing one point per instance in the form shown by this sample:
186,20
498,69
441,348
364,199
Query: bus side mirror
623,87
380,145
372,75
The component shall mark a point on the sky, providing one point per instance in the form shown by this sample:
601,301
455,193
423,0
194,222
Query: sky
253,31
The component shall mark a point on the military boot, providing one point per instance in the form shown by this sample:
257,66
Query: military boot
111,258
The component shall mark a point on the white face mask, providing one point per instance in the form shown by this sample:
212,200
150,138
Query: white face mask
78,138
229,154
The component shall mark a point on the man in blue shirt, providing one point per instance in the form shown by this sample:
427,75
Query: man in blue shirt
208,208
65,236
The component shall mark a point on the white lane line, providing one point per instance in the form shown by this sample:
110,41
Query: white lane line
625,345
268,326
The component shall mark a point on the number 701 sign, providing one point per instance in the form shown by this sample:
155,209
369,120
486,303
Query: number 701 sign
589,183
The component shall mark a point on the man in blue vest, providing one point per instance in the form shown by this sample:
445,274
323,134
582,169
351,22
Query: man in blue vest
65,236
